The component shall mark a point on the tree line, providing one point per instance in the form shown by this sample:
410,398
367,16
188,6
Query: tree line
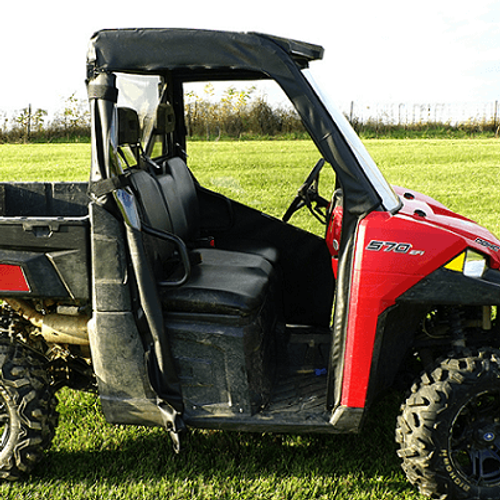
235,114
238,114
31,124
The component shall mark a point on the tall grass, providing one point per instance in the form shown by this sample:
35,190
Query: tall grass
91,459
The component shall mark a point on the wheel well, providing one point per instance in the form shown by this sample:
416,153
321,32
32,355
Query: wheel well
411,338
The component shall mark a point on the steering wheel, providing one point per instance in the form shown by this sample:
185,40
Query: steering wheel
307,194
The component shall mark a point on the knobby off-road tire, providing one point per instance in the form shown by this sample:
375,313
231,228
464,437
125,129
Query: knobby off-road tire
28,415
449,429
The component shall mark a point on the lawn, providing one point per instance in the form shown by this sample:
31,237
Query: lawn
91,459
461,173
44,162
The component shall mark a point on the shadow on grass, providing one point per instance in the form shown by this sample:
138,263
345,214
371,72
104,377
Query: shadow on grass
350,466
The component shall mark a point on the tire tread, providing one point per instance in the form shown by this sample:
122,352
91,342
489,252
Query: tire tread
26,387
419,424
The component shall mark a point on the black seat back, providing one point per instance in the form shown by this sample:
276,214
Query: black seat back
179,191
154,213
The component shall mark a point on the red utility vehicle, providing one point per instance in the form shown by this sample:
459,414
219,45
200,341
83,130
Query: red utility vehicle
184,308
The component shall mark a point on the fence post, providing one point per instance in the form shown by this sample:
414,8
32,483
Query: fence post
351,113
28,125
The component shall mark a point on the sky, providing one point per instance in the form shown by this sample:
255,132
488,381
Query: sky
375,51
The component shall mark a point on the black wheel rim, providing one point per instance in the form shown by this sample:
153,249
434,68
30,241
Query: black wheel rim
4,422
475,439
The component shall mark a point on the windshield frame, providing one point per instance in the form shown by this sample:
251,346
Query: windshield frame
390,200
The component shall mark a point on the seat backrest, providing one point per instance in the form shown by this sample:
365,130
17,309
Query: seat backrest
153,211
128,127
179,190
151,201
167,202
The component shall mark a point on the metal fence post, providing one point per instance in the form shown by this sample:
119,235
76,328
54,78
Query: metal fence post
29,122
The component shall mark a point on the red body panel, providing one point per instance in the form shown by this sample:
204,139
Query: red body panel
392,254
476,236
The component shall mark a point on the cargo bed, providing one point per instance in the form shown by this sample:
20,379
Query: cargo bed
44,229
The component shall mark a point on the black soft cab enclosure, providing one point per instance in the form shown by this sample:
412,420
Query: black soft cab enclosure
215,282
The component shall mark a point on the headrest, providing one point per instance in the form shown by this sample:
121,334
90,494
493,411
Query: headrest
128,127
165,118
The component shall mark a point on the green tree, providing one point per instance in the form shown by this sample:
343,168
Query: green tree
29,122
23,121
75,117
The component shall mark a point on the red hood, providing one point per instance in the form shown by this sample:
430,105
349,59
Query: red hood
424,208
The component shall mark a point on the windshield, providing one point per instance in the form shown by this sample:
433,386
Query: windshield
140,93
389,198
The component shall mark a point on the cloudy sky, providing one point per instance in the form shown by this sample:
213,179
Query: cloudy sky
375,51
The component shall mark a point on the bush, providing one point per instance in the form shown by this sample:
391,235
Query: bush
238,114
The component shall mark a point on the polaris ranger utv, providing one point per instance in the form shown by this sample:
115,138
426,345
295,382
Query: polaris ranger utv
184,308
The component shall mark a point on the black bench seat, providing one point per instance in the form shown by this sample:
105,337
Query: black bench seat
212,313
229,283
221,281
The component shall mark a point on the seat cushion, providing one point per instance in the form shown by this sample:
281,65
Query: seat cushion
218,257
179,191
150,200
222,283
268,252
181,197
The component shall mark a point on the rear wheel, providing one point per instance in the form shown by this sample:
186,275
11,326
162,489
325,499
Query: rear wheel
449,429
28,415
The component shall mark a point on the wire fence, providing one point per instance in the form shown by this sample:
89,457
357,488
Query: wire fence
240,115
409,114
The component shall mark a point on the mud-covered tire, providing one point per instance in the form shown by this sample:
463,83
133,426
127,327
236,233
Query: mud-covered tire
449,428
28,415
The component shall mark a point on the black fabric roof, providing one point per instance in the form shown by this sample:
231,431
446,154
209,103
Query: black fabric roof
192,55
195,52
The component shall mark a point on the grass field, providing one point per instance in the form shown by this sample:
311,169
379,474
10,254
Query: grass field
461,173
91,459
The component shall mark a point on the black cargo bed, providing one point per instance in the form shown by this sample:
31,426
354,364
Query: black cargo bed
44,229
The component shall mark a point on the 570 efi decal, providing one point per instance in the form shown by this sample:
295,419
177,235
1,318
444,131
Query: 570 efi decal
392,246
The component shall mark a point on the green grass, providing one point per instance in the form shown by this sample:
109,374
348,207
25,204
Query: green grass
462,174
44,162
91,459
264,175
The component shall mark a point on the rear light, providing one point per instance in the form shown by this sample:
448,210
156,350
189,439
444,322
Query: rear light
12,279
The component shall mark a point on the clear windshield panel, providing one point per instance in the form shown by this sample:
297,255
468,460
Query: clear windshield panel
389,198
140,92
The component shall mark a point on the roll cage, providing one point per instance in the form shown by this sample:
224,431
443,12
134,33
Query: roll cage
180,56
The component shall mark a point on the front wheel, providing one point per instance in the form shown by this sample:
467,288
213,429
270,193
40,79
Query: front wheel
449,428
28,415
